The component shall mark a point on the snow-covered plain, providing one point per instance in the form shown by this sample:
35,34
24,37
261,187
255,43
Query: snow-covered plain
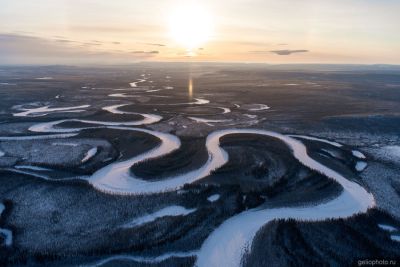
227,244
391,153
116,177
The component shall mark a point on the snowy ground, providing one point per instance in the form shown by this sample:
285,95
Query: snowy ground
68,144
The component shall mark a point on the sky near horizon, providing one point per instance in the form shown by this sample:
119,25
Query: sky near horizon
128,31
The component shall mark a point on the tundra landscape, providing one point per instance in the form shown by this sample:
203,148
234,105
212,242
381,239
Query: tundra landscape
199,164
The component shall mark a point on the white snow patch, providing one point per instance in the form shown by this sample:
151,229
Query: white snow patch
134,84
388,228
207,121
213,198
150,260
395,238
1,153
259,107
358,154
200,101
250,116
42,111
90,154
44,78
21,171
64,144
30,167
168,211
361,165
225,110
333,154
122,95
336,144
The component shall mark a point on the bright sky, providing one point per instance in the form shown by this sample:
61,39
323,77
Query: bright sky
126,31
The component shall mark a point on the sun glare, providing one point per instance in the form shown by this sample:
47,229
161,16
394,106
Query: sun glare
190,25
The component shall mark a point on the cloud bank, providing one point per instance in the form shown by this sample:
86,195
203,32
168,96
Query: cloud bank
287,52
25,49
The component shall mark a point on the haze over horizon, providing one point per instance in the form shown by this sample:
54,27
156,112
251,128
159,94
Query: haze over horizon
104,32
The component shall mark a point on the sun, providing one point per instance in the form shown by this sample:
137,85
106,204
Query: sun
190,25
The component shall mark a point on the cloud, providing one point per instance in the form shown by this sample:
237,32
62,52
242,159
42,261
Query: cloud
287,52
145,52
64,41
91,44
106,29
25,49
248,43
155,44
